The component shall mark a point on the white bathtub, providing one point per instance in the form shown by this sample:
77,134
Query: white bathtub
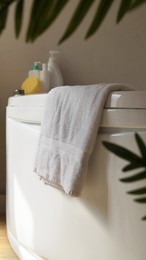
43,222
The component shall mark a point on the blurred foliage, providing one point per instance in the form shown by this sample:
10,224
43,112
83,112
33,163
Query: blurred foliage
44,12
135,162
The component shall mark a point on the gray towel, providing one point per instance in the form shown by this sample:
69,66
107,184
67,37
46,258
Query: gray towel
68,134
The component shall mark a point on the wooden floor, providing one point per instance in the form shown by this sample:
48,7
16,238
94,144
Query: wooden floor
6,252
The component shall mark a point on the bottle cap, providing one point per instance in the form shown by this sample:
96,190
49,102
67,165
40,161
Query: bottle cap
35,67
19,92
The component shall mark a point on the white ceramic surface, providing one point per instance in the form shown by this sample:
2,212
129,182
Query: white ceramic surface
42,222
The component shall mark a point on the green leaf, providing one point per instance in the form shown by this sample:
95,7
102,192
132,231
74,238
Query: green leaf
124,153
141,200
138,191
19,16
80,12
141,145
135,162
4,7
3,15
52,15
137,3
124,8
136,177
144,218
132,166
101,12
6,3
36,10
43,14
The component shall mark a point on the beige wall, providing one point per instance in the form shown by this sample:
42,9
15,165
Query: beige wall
117,53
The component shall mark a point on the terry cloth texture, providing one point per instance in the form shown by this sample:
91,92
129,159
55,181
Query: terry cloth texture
68,134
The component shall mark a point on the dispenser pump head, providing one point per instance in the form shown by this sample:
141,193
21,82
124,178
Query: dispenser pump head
35,66
52,55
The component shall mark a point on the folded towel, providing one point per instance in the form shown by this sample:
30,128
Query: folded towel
68,134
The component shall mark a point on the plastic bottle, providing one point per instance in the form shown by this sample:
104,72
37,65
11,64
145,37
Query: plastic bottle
56,78
35,70
45,78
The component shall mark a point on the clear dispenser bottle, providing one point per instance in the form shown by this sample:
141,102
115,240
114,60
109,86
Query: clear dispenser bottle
56,78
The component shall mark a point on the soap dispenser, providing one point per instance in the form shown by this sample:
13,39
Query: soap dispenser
35,70
56,78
